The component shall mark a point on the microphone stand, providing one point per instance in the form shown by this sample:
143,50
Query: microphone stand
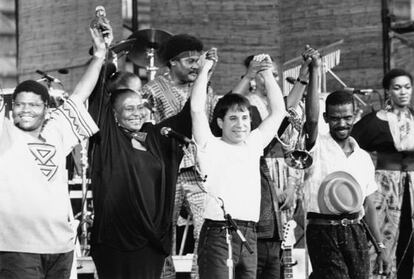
232,226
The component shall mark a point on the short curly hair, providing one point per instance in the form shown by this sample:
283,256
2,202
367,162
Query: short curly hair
386,81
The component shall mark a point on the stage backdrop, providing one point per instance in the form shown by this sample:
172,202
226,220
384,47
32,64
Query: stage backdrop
54,35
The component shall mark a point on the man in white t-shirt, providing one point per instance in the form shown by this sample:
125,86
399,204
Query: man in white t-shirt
338,190
36,238
231,166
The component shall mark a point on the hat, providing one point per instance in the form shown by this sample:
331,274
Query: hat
34,87
178,44
339,193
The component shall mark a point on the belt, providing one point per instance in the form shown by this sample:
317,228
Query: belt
398,161
220,224
344,222
333,220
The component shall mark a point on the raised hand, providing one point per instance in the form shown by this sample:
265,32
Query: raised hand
209,59
101,39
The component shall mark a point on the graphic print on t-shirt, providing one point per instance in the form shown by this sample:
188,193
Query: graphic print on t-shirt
44,154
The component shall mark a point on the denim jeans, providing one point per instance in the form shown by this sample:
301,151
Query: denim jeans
15,265
213,252
268,260
338,252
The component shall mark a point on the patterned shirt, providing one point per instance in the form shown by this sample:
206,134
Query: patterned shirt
34,197
168,99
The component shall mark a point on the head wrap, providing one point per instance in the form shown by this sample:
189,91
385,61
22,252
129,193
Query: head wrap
178,44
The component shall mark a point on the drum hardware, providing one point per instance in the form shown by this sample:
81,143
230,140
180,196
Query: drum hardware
57,96
144,51
86,216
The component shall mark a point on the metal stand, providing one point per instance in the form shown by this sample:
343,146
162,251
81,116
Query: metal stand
151,68
85,214
232,226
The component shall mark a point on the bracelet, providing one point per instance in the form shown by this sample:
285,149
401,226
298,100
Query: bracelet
379,247
304,82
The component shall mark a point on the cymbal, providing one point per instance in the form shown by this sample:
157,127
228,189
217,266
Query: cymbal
124,45
146,39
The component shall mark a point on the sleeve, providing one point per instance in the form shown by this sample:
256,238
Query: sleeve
365,131
73,122
99,101
181,122
372,185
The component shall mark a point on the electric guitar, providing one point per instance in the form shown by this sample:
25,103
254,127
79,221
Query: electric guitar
287,246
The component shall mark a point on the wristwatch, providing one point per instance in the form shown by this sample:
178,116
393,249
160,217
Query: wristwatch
304,82
381,247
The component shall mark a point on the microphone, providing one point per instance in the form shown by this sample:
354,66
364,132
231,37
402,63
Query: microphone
48,77
170,133
100,18
359,91
239,233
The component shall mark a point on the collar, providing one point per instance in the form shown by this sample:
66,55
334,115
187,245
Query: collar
139,136
352,142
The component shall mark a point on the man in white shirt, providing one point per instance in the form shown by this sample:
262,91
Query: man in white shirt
231,164
338,190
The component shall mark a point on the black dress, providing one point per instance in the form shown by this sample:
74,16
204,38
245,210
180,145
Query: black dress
133,193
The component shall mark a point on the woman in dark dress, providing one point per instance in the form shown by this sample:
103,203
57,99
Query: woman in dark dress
390,133
134,171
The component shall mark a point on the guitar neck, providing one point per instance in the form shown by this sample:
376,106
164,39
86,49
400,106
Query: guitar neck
288,263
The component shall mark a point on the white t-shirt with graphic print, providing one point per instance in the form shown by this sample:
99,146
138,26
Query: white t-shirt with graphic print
34,199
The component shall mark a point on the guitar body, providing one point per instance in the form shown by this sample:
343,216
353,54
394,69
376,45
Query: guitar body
293,260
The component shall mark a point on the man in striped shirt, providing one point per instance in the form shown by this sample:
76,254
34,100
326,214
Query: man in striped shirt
167,94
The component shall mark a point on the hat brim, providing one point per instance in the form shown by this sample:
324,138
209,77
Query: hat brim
339,193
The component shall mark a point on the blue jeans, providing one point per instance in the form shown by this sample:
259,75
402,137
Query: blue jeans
213,251
338,252
268,259
15,265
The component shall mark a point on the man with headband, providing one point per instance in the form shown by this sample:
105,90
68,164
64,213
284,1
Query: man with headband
36,237
167,94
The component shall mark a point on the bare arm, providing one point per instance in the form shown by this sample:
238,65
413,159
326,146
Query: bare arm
243,86
296,94
271,124
383,257
89,79
201,128
312,101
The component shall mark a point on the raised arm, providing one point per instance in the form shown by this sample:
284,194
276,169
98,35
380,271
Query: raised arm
296,93
271,124
312,101
243,86
201,128
88,81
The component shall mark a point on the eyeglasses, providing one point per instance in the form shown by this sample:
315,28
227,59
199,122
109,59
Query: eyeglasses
30,105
